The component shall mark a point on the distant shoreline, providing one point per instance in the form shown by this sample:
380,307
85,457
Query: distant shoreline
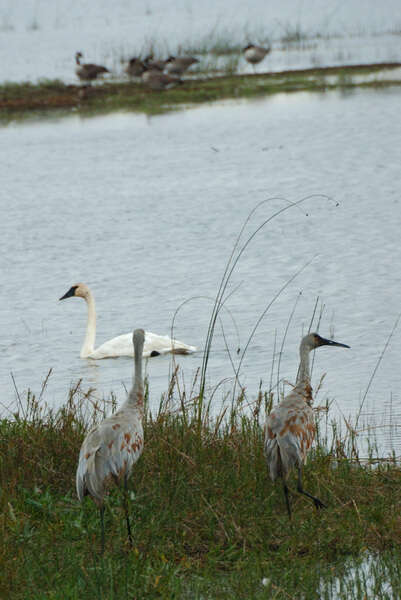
46,98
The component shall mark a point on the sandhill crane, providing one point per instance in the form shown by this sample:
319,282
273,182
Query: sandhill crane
255,54
88,71
111,449
177,65
156,80
290,427
135,67
122,344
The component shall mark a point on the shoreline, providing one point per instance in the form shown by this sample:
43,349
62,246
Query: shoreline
46,98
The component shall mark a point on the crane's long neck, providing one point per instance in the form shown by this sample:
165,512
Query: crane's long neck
303,371
136,395
77,59
90,336
303,386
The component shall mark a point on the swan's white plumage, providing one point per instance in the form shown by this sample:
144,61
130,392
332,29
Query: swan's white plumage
122,344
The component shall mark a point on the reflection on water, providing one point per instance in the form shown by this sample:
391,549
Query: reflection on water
146,210
369,576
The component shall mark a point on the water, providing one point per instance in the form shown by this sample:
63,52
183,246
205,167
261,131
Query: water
39,39
146,210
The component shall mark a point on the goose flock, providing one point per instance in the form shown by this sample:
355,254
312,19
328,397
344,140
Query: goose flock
155,74
158,74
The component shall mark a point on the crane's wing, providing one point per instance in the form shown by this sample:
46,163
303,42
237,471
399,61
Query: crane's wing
108,452
289,434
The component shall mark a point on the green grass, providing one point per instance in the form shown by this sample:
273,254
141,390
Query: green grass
207,521
54,97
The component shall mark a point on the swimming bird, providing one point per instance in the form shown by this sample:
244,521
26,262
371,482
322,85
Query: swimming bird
110,450
156,80
135,67
290,427
122,344
177,65
88,71
255,54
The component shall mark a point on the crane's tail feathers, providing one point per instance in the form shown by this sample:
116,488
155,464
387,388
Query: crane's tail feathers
93,475
282,454
290,452
87,480
273,459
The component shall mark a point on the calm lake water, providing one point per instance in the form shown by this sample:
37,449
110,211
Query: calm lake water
39,38
146,211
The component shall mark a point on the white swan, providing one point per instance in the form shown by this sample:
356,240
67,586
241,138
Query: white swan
121,345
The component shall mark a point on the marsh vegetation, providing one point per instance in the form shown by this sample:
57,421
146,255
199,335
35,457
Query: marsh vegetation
207,521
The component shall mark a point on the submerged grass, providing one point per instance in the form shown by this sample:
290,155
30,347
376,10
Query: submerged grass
207,521
54,97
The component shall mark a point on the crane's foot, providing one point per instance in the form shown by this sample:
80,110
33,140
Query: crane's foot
319,504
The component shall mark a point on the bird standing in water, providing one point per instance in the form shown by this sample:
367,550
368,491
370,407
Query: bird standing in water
290,427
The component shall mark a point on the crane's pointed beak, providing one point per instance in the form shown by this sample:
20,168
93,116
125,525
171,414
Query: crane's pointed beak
333,343
69,294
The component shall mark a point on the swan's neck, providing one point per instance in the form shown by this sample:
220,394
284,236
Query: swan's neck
90,336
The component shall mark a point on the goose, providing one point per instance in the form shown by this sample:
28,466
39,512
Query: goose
177,65
122,344
156,80
135,67
88,71
155,65
255,54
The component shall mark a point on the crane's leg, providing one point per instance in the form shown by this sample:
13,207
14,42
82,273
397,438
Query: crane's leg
126,510
101,510
318,503
287,499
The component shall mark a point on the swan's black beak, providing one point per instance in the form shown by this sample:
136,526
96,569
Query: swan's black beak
324,342
70,293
